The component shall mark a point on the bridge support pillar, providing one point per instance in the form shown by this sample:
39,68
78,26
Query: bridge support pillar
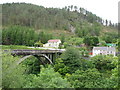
40,59
51,57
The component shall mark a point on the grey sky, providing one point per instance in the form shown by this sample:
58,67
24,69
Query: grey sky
106,9
119,13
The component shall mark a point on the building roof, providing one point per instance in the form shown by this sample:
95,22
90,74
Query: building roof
111,44
105,48
54,40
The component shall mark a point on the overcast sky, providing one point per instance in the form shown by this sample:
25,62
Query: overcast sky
106,9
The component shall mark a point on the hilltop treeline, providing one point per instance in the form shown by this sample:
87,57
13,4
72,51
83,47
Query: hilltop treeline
50,18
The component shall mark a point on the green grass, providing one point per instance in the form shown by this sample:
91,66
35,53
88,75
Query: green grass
3,47
13,47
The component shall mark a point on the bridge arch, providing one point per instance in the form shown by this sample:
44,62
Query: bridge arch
40,55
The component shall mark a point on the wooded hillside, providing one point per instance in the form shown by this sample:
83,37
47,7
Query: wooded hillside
49,18
73,19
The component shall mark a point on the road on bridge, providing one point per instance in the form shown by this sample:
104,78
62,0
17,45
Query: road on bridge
34,52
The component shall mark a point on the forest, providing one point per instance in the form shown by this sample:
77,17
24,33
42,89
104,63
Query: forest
25,25
69,22
69,71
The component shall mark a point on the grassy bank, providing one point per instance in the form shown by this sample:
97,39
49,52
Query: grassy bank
3,47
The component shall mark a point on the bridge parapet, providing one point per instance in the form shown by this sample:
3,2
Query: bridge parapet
35,52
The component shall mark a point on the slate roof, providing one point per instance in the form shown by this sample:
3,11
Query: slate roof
105,48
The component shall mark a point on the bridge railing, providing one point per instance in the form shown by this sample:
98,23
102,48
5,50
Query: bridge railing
29,52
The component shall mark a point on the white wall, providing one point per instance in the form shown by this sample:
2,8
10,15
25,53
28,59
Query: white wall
53,44
96,52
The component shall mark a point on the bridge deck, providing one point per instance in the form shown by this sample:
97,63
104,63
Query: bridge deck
34,52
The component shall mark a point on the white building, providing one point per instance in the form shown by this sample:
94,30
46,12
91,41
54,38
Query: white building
52,43
104,51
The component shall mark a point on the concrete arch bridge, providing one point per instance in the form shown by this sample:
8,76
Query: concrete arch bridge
48,55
